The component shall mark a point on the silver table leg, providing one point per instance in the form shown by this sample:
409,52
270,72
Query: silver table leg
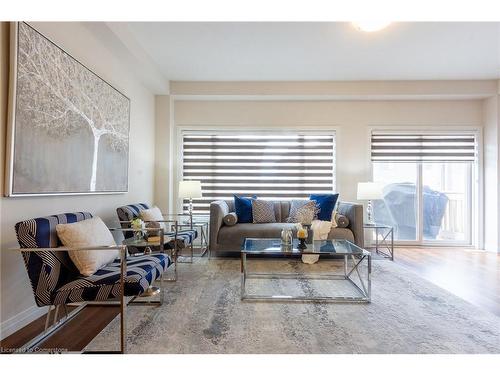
363,291
243,267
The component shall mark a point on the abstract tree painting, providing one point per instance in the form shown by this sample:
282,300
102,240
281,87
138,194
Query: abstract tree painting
71,128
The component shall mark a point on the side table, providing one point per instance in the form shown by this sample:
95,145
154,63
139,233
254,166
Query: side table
382,244
202,228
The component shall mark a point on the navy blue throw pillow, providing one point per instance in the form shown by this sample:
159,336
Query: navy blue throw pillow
326,204
243,208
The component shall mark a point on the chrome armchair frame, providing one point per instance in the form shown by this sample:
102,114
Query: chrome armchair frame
173,251
122,302
191,246
49,330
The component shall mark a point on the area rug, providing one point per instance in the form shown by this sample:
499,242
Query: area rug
203,313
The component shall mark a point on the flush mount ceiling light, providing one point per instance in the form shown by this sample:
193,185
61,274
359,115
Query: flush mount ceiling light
371,26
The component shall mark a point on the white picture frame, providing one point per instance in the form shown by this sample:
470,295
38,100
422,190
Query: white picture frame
108,171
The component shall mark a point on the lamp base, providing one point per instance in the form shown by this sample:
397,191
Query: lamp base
369,213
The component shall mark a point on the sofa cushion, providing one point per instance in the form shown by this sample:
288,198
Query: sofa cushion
284,208
236,234
341,234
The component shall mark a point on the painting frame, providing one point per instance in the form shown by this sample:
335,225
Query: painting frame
9,190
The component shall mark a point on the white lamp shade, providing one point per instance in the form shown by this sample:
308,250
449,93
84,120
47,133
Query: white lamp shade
189,189
370,190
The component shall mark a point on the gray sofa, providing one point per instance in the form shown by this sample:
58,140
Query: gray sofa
224,238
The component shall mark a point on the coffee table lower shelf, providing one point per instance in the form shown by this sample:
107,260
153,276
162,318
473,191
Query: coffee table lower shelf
362,289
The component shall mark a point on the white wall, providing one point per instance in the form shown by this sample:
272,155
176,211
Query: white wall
490,172
17,303
352,119
162,156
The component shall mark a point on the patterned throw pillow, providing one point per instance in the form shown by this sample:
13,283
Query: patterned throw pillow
294,207
302,211
263,211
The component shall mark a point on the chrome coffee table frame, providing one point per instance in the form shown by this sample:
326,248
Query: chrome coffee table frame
362,286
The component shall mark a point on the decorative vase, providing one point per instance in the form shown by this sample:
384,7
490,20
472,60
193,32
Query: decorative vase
286,237
138,235
310,233
302,244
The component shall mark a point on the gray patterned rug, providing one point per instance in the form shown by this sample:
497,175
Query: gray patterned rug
203,314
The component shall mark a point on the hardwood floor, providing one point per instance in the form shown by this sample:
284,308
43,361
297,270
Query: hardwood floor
473,275
74,336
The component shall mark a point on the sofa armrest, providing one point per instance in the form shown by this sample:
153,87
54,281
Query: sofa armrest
218,209
354,213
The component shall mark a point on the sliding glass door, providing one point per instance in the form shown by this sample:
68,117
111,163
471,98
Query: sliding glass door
429,186
399,208
447,189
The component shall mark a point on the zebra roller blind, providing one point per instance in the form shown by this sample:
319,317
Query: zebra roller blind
271,166
446,147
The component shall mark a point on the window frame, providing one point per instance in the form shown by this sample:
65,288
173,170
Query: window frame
180,131
475,198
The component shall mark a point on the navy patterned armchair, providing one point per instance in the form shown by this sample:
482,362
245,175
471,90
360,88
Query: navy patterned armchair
57,282
180,238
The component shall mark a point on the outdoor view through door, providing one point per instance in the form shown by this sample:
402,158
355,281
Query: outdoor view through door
288,165
429,184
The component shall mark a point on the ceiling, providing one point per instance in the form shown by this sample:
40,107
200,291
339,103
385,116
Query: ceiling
259,51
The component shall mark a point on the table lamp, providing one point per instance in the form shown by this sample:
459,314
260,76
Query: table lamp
370,191
189,190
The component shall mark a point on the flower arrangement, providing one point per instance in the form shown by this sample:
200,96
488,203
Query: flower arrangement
137,225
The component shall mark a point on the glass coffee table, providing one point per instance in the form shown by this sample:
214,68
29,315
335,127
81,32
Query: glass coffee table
352,257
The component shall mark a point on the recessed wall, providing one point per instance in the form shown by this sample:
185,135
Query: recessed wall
17,303
352,120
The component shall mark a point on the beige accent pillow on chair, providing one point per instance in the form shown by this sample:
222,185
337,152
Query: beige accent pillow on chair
154,215
88,233
151,214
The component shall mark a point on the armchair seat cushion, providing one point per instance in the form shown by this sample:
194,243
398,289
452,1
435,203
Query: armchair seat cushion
103,285
185,237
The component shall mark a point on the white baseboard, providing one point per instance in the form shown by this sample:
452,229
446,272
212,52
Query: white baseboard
20,320
492,247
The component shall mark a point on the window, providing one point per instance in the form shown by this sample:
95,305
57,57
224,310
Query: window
429,184
270,165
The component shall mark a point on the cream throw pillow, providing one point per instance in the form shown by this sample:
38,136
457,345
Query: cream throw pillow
151,214
88,233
